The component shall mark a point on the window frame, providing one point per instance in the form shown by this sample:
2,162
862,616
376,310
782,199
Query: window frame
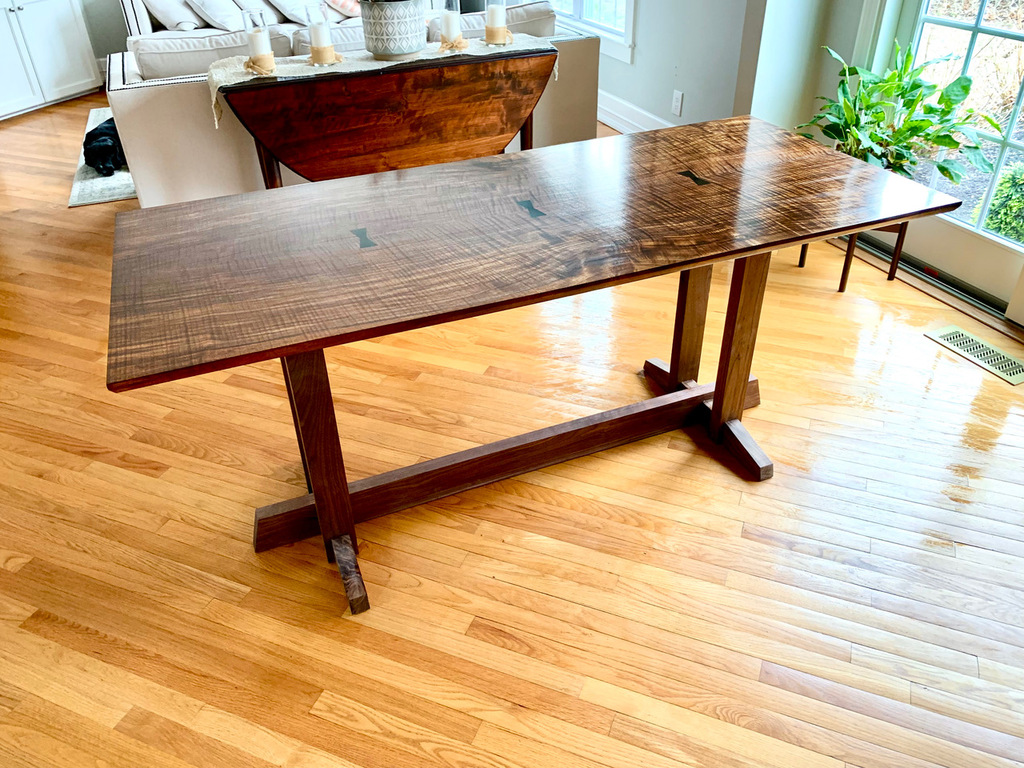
1007,143
618,45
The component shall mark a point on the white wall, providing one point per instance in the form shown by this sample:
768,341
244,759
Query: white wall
689,45
762,57
106,26
789,61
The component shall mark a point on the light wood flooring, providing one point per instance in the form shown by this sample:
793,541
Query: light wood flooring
642,607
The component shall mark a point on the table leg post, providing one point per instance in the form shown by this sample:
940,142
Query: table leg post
269,166
526,134
851,246
897,252
687,333
313,408
803,255
746,294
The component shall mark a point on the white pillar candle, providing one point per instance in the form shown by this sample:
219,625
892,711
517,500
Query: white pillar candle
451,25
495,15
259,42
319,35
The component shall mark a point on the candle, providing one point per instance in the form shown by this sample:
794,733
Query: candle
451,25
495,15
320,35
259,42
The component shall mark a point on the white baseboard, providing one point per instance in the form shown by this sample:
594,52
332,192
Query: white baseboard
101,65
625,117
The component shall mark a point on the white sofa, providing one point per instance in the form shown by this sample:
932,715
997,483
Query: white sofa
176,154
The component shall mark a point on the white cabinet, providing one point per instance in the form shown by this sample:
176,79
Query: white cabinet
18,87
45,54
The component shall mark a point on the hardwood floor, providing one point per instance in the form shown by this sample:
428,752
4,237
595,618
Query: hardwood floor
642,607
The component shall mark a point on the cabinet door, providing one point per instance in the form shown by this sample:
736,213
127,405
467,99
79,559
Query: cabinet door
59,45
18,87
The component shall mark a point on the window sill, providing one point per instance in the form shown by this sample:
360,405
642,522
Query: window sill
611,44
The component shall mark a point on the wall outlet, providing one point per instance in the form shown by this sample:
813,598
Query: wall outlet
677,103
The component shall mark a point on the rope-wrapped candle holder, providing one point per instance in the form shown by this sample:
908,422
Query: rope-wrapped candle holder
496,28
261,55
451,27
321,46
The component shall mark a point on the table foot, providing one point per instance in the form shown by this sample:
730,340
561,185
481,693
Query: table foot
348,567
734,436
656,372
738,441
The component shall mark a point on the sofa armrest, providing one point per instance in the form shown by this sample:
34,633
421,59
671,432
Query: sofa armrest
123,74
568,109
136,17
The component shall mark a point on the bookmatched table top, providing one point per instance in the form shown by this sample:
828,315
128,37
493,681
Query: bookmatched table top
212,284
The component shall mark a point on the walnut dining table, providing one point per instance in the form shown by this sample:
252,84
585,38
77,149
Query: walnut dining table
285,273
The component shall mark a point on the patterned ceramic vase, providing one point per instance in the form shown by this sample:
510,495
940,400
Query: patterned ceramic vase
394,30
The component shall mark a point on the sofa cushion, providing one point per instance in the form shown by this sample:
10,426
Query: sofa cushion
295,10
537,19
169,54
174,15
347,36
270,13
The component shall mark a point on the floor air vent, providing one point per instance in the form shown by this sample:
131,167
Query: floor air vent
980,352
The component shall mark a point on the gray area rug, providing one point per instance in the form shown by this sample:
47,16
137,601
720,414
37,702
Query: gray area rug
89,187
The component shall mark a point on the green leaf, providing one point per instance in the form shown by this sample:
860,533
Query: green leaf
849,112
866,75
956,92
873,160
835,56
998,128
976,157
833,131
805,135
945,140
951,169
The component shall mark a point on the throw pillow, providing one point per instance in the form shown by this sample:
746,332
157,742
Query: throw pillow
174,14
270,13
222,14
295,10
348,7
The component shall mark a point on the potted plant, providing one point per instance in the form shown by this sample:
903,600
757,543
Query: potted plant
394,29
898,119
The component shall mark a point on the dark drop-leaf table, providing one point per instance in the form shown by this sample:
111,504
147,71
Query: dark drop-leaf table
285,273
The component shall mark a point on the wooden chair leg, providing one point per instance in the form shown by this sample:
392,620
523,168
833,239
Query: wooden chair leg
850,248
803,255
898,250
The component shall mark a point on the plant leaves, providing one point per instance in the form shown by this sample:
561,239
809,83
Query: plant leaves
945,140
956,92
951,169
976,157
834,131
836,56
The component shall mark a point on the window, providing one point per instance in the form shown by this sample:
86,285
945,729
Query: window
988,38
611,19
